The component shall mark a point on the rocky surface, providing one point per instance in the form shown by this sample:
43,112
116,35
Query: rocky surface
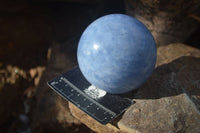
169,21
169,114
52,109
27,104
13,82
91,123
27,29
167,102
55,113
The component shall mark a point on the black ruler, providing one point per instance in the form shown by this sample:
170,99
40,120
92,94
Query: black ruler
98,104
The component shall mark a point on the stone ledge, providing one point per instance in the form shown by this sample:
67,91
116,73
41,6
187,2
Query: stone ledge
91,123
163,103
167,102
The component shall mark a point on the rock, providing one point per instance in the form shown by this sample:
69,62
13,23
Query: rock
13,82
169,114
167,20
167,102
174,51
51,112
91,123
36,74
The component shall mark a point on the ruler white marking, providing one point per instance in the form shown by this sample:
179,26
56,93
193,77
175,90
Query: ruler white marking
79,91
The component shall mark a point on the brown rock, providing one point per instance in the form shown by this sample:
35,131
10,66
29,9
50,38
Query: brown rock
51,112
13,82
91,123
169,100
168,114
169,21
174,51
36,74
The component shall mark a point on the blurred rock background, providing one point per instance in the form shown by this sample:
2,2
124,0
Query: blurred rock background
38,41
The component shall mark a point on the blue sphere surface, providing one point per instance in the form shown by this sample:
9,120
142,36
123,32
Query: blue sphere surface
116,53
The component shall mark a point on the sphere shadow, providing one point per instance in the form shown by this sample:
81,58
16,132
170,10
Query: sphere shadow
179,76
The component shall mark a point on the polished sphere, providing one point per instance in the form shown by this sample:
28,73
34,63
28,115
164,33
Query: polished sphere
116,53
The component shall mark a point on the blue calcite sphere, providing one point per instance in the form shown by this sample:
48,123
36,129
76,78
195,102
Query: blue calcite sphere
116,53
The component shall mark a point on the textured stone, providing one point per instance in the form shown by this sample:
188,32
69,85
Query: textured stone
174,51
169,21
51,109
13,82
168,114
169,101
36,74
91,123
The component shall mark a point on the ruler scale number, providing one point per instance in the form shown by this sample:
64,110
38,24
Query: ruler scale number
66,86
83,101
